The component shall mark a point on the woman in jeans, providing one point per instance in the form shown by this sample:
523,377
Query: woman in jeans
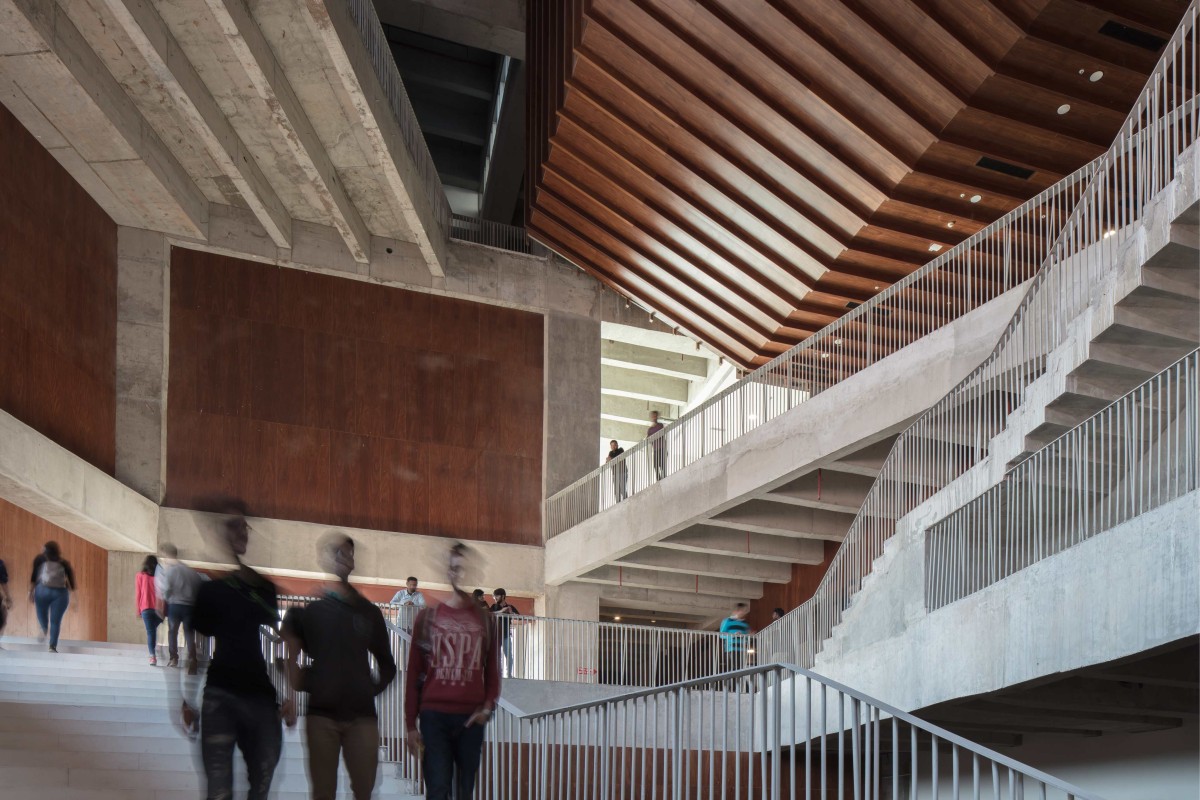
50,589
147,605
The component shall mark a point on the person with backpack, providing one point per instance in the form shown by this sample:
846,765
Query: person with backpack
50,589
340,632
451,687
148,606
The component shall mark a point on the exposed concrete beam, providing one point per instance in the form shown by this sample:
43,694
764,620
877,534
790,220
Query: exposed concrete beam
621,431
658,340
643,385
266,77
866,461
633,411
692,564
497,26
417,200
761,516
639,616
1101,696
157,45
824,488
679,602
113,152
726,542
656,579
648,359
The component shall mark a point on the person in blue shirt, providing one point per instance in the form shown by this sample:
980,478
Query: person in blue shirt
735,636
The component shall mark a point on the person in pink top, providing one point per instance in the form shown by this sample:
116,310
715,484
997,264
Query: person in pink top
148,606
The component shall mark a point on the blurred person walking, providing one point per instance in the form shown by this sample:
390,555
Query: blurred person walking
340,632
177,585
50,588
148,606
451,687
5,597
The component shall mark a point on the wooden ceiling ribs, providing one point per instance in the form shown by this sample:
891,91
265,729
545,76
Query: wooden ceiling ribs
753,169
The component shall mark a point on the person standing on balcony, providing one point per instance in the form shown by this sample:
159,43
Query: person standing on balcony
504,611
240,708
410,595
177,585
148,606
735,633
340,632
451,687
658,448
50,589
620,472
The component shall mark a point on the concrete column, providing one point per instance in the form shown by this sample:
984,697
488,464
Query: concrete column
124,625
570,652
571,425
143,273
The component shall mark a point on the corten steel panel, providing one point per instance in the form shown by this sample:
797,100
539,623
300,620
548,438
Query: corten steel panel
58,301
748,168
342,402
21,538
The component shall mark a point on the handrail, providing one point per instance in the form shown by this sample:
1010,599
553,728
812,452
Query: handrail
485,232
795,717
987,264
1135,455
955,435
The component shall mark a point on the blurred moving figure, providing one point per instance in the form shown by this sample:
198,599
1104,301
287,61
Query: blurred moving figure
451,687
239,708
340,632
177,585
5,597
50,589
148,606
735,634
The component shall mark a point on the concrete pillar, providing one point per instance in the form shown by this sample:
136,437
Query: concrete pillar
572,400
142,310
570,651
124,625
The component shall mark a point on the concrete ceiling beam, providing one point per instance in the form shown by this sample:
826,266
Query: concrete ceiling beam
677,582
745,544
191,98
826,489
621,431
649,359
416,202
706,564
634,411
104,142
677,602
266,76
762,516
636,384
657,340
867,461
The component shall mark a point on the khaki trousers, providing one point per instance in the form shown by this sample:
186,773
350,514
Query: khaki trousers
356,741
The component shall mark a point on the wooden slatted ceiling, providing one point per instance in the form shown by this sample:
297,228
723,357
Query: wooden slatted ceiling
747,168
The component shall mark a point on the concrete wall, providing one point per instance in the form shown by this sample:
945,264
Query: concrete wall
124,624
572,400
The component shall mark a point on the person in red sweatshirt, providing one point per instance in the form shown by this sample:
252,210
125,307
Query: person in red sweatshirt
451,687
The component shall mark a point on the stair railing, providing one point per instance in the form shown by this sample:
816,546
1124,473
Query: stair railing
955,435
773,732
1136,455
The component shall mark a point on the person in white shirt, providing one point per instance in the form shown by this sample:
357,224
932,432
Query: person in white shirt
410,596
176,585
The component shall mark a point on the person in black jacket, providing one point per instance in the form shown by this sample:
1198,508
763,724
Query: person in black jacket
339,633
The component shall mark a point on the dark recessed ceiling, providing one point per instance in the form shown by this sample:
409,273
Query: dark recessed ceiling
751,169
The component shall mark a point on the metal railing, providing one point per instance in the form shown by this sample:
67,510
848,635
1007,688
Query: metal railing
384,64
493,234
955,435
772,732
998,258
1136,455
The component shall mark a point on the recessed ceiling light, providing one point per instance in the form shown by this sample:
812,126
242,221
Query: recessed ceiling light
950,224
877,288
1095,76
933,248
616,619
824,355
653,622
963,194
975,198
1064,108
837,341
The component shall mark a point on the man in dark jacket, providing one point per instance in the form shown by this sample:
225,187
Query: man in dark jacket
339,633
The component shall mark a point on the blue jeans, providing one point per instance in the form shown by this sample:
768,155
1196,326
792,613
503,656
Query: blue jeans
506,649
152,620
179,614
452,755
51,604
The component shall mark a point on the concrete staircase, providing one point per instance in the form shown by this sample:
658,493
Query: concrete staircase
92,723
